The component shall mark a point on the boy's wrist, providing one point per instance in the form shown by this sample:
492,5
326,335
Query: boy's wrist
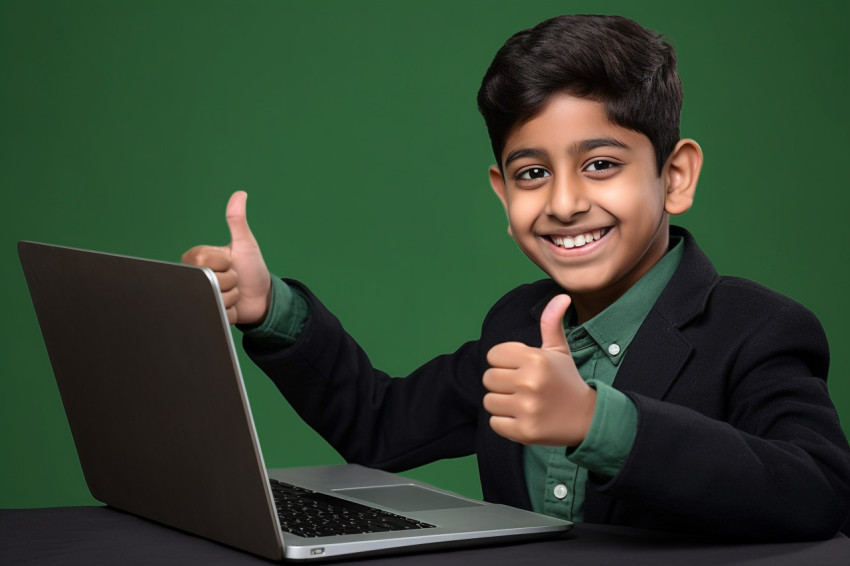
287,314
611,432
589,411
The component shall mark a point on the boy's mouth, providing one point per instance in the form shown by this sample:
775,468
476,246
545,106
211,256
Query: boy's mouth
578,240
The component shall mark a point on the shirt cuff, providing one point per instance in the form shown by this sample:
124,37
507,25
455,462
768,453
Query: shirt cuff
288,314
611,435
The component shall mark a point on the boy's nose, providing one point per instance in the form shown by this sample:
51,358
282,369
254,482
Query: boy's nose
566,199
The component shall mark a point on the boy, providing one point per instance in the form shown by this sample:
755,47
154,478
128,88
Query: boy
634,386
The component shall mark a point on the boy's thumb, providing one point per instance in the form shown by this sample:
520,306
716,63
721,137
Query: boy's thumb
552,324
236,219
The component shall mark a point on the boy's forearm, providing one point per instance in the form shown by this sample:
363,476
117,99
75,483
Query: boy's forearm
369,417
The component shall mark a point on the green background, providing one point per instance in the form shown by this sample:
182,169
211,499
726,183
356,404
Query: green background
352,125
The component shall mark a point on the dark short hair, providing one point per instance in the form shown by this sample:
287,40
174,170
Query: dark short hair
610,59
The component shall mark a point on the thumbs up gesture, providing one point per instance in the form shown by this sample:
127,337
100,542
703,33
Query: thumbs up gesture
536,395
239,267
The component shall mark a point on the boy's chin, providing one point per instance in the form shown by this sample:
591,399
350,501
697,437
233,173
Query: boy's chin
578,285
586,279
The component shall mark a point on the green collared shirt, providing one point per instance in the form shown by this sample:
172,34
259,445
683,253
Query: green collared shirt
556,477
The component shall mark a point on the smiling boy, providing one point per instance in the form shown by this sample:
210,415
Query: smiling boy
586,203
634,385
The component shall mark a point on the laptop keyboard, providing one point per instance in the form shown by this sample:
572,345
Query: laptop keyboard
310,514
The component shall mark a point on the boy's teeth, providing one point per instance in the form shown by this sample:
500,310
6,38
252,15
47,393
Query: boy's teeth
577,241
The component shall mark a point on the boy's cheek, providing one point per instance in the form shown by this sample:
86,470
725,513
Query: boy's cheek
522,212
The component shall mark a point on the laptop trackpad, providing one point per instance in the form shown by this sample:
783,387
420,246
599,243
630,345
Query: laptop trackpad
407,498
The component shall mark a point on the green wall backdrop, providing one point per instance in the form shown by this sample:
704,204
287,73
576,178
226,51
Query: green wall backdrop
352,125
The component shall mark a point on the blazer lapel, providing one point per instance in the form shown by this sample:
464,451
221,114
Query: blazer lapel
659,350
654,358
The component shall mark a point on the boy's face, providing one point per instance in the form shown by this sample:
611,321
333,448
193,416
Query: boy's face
584,200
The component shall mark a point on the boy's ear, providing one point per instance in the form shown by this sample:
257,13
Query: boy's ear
497,181
681,173
498,184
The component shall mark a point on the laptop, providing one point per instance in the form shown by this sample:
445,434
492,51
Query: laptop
149,378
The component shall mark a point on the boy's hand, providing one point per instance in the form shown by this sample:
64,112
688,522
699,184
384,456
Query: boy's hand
239,267
536,395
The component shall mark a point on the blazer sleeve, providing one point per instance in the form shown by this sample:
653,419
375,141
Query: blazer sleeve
746,441
369,417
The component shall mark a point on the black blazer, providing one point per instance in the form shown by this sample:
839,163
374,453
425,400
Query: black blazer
736,432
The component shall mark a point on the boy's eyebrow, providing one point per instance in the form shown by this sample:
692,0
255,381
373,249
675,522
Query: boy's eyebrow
589,145
523,152
578,148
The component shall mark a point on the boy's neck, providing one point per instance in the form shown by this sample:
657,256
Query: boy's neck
588,305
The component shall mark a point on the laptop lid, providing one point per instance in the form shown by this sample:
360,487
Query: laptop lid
145,365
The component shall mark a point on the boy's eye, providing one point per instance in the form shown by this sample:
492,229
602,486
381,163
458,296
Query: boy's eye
602,168
533,173
600,165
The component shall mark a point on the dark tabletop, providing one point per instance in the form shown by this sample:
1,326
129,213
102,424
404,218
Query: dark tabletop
101,535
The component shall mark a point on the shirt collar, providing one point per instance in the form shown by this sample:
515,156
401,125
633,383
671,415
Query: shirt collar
613,329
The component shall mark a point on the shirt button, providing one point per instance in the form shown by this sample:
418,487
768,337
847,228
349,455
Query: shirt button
561,491
614,349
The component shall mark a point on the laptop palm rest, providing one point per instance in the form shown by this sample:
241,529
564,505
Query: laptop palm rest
406,498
